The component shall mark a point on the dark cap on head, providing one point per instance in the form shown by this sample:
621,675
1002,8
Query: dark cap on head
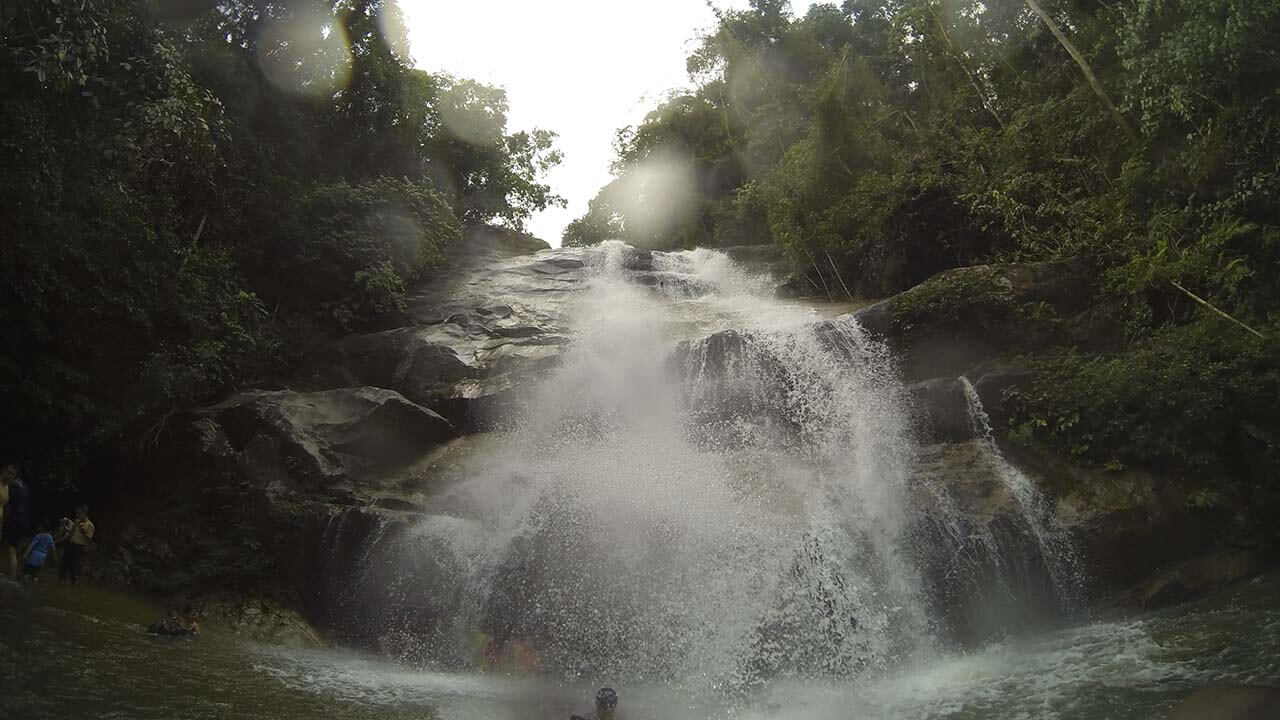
606,697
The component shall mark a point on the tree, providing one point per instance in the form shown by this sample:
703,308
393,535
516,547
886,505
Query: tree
196,192
1085,69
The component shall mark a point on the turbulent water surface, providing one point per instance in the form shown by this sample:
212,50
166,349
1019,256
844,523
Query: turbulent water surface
67,653
709,504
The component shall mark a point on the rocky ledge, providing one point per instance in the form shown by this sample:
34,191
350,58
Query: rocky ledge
1146,538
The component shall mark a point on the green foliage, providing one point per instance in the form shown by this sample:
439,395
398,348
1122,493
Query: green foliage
975,295
195,192
356,247
1202,397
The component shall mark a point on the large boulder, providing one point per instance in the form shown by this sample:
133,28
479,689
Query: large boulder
1148,539
472,334
985,568
320,439
304,458
259,618
737,389
458,367
371,575
962,317
1118,541
941,410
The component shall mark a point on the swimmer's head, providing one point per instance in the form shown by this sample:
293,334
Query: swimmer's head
606,702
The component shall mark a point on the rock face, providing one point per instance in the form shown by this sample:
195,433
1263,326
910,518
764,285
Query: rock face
331,471
1146,539
986,574
469,336
337,471
960,318
259,618
475,334
941,410
306,457
319,440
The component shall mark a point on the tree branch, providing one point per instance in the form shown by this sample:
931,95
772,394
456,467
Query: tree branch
1210,305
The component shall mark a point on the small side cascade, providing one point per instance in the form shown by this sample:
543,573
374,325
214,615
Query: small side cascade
1055,546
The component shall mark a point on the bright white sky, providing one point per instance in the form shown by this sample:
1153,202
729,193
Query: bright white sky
583,68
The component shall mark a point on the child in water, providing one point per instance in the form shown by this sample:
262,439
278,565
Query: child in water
38,550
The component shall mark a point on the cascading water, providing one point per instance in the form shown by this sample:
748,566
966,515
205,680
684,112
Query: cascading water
712,491
1055,547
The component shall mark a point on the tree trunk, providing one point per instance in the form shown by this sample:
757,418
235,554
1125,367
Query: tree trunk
1084,68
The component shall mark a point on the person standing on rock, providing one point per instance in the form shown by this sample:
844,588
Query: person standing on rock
81,535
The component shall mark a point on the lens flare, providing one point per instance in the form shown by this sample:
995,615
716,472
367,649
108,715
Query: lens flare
306,54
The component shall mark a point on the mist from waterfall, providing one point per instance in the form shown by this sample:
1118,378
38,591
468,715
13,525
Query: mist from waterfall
711,491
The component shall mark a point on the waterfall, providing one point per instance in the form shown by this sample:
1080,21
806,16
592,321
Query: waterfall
712,490
1055,547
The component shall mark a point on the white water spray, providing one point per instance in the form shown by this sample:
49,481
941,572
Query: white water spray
710,492
1056,547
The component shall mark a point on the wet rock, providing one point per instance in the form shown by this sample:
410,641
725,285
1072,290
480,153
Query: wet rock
322,437
986,574
1230,702
1132,523
762,258
1187,580
1141,539
991,380
262,619
737,391
876,318
371,574
941,410
634,259
405,360
488,323
960,318
292,457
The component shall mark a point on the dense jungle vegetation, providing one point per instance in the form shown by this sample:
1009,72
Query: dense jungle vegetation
878,143
194,192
